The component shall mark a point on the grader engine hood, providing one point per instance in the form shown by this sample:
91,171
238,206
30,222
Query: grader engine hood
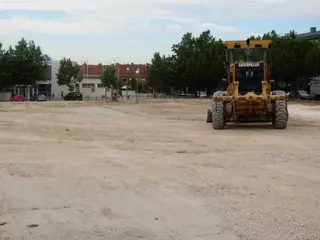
249,75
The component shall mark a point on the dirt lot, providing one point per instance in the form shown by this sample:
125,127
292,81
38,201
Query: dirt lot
155,171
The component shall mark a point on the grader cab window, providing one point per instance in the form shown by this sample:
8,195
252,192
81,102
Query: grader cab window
226,55
236,55
252,54
258,54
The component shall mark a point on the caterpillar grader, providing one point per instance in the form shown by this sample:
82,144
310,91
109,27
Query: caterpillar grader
248,96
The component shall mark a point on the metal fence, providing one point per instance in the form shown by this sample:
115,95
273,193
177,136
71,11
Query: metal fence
141,96
124,97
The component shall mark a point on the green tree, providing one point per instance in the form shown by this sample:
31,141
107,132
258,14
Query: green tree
4,78
197,62
109,79
69,74
209,61
161,73
313,59
25,63
184,52
293,59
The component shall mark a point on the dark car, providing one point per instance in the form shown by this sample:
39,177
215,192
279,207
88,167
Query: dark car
303,95
73,96
278,92
219,93
201,94
39,97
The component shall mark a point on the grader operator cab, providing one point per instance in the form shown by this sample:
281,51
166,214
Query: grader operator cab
248,95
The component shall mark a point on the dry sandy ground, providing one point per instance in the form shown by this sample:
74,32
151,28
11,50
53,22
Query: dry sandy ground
155,171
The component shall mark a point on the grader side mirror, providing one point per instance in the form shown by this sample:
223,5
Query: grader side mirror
224,79
272,81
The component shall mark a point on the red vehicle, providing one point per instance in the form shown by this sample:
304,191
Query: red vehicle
17,98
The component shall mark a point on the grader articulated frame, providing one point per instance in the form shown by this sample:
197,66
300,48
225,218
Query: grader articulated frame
248,96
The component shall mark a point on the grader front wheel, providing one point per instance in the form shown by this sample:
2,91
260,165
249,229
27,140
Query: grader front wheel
218,121
280,114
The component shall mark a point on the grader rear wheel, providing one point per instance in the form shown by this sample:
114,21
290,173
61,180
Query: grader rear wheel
280,114
218,111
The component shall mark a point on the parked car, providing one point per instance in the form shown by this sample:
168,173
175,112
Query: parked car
39,97
201,94
219,93
303,95
278,92
73,96
17,98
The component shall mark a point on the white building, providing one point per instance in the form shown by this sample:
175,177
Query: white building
91,88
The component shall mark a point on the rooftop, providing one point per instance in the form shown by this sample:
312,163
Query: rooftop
122,70
313,34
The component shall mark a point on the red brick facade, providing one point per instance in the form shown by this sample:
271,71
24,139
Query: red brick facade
123,71
91,71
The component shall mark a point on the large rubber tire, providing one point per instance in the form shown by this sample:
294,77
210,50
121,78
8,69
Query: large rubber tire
280,114
218,120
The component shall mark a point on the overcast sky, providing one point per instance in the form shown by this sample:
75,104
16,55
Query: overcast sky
132,30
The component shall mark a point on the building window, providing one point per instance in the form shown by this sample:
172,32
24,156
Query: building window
100,85
88,85
77,87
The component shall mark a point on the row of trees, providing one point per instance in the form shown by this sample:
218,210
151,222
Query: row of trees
198,63
195,63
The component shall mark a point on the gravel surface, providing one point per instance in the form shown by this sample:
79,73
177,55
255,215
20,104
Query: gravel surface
156,171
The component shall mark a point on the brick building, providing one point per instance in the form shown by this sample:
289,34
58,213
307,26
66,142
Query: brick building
124,72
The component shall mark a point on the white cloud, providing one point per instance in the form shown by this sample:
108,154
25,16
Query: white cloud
173,28
96,17
216,28
265,9
111,17
273,1
87,16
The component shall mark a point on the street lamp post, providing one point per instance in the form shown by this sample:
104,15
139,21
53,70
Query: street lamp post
137,73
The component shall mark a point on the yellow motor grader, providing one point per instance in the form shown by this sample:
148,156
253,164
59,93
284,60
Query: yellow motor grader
248,96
